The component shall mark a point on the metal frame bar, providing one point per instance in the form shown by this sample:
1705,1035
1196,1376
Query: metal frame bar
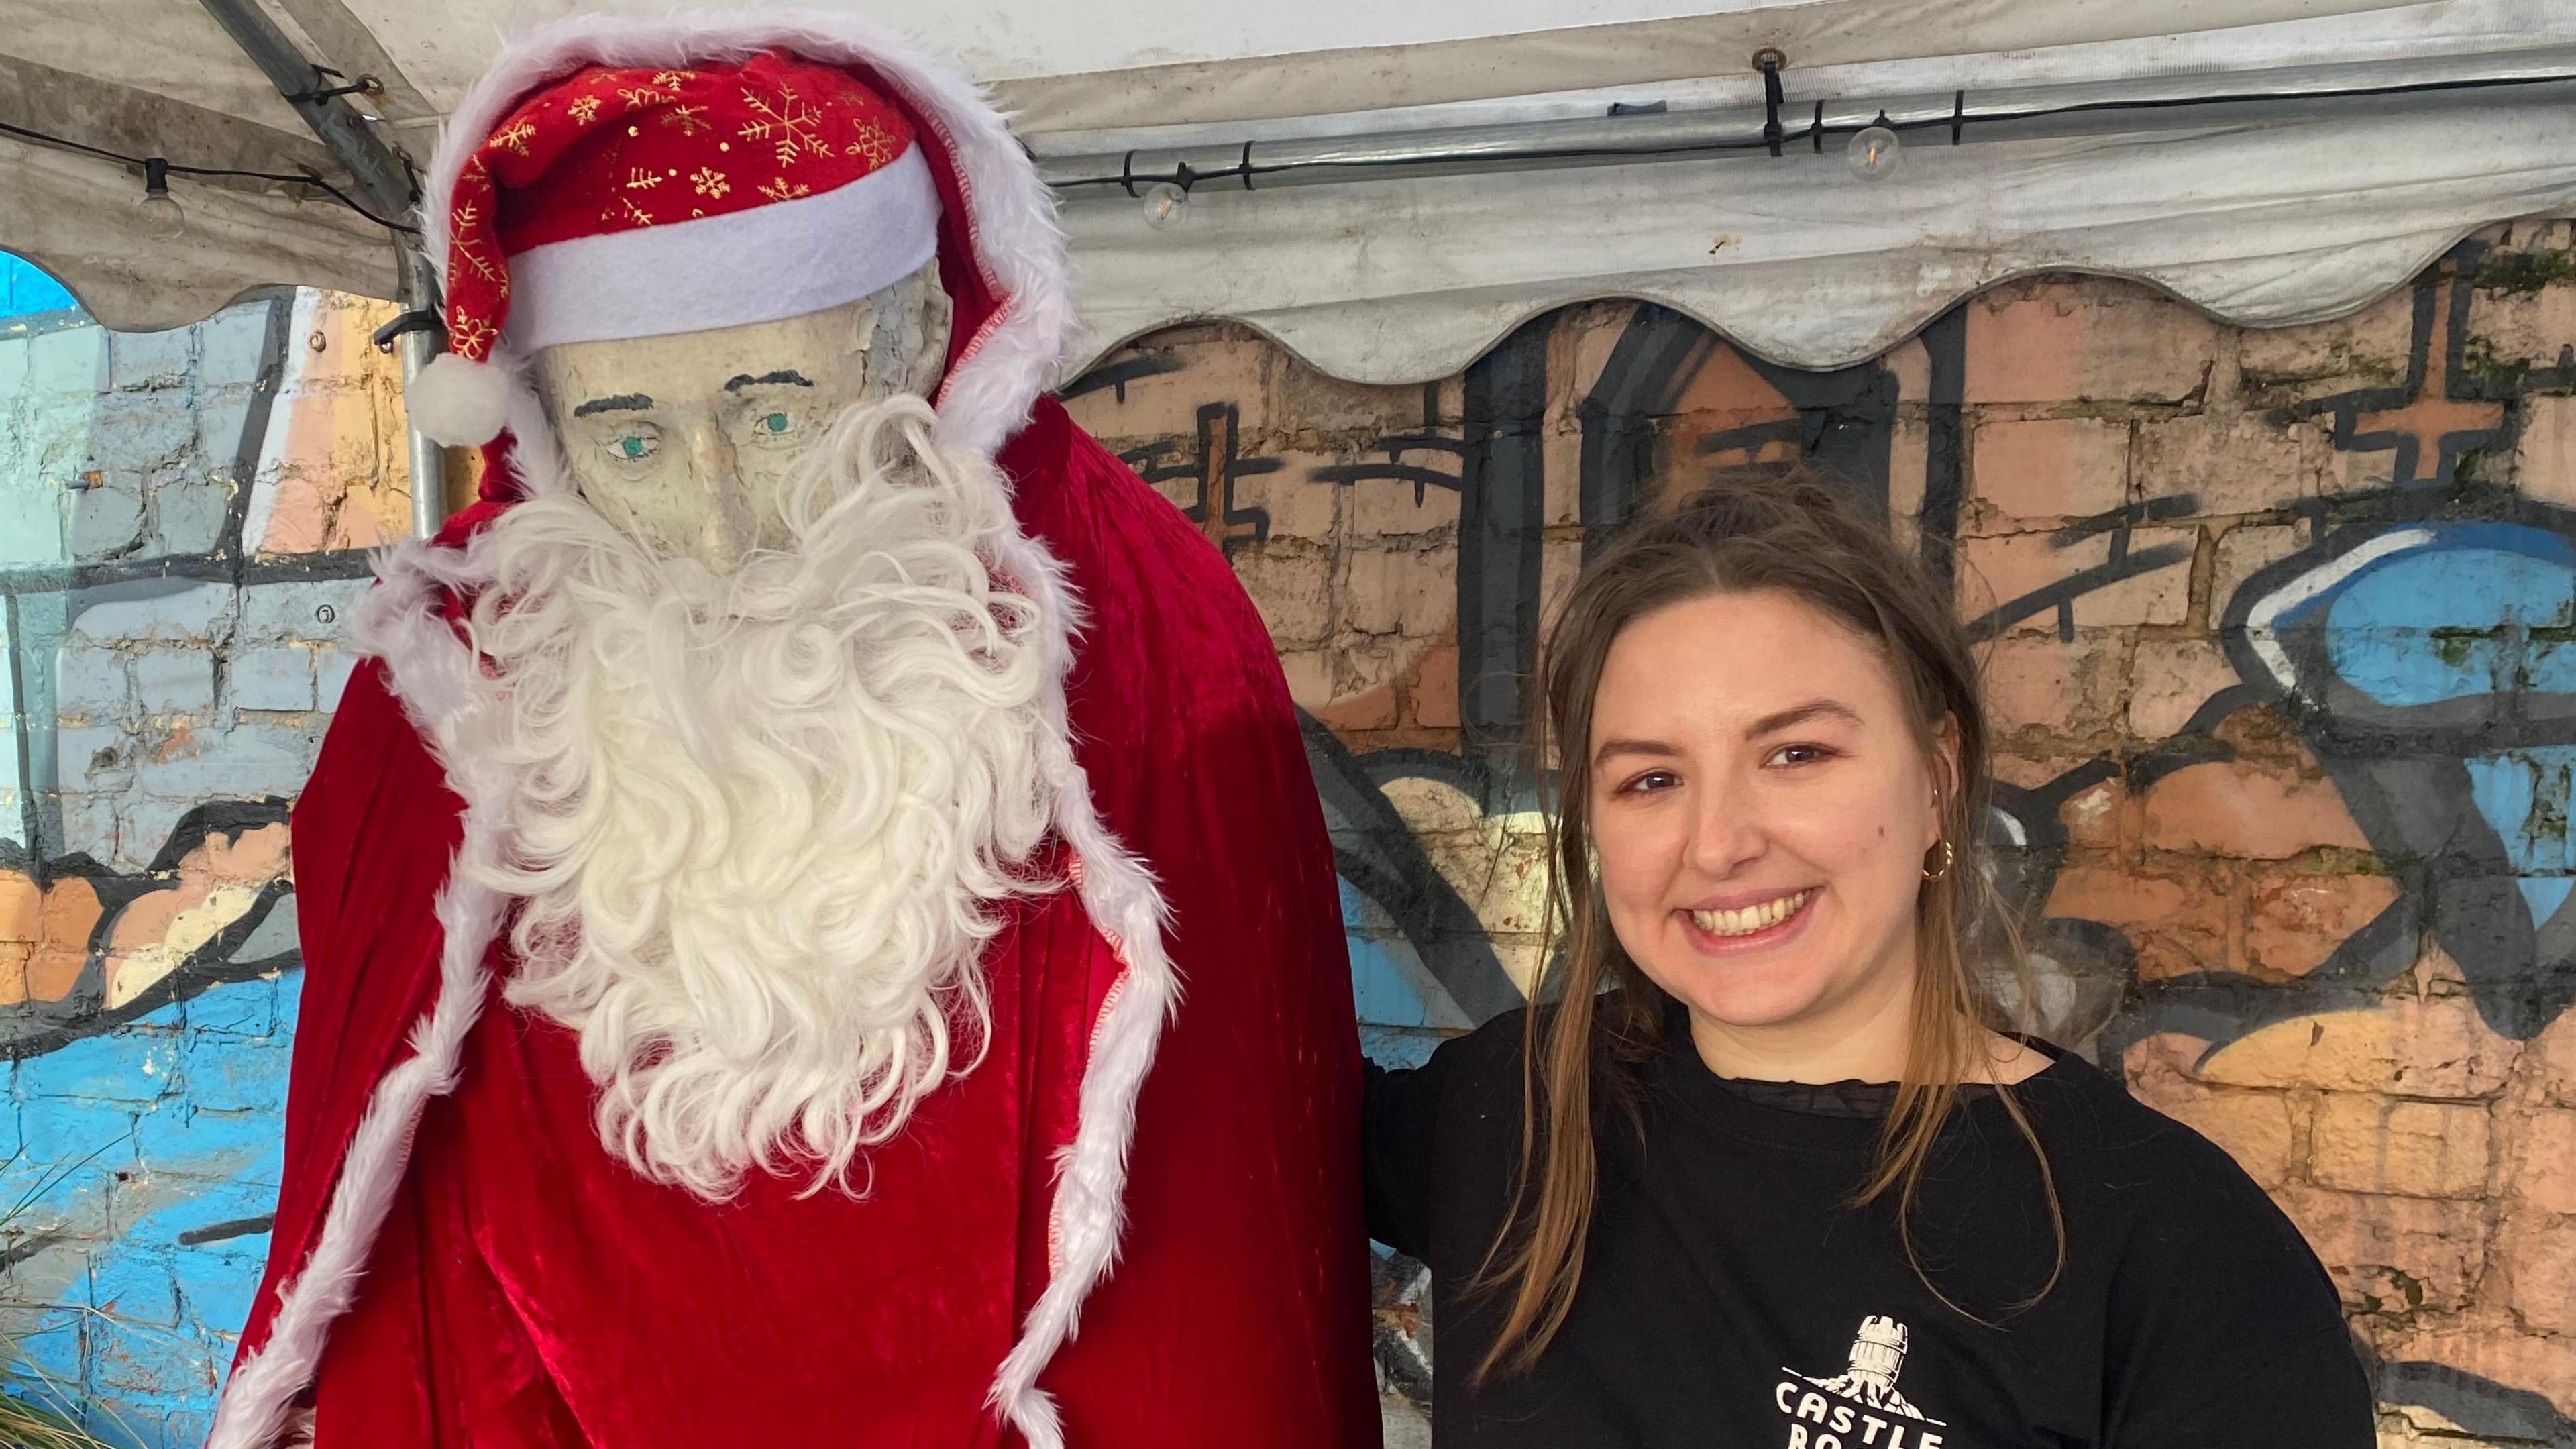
385,179
2020,113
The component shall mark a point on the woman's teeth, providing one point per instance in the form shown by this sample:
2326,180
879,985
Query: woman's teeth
1752,918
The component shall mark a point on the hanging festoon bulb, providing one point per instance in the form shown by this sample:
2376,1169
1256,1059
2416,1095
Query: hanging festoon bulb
1166,205
158,213
1875,153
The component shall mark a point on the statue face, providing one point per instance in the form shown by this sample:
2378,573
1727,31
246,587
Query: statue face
683,441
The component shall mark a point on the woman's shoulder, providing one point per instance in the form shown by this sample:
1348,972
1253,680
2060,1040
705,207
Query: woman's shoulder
1440,1140
2123,1157
1483,1064
2229,1328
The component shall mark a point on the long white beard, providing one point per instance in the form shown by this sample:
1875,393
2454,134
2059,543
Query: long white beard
764,820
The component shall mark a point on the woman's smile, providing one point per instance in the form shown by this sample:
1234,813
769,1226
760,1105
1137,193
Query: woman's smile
1767,921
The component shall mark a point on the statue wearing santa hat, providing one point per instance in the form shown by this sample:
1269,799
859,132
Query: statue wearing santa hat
816,925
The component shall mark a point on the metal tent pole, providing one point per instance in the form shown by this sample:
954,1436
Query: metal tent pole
417,345
385,181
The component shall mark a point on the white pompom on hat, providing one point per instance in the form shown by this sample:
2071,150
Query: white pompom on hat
457,403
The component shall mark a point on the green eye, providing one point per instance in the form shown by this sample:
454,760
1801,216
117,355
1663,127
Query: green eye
633,447
774,424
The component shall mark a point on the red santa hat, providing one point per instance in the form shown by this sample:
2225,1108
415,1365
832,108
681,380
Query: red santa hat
628,202
1001,254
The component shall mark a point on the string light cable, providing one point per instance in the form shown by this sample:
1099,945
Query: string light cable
156,167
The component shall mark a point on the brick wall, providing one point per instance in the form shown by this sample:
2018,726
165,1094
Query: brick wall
2281,644
178,518
2277,626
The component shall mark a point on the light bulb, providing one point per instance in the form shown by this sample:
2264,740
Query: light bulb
158,213
1166,205
1875,153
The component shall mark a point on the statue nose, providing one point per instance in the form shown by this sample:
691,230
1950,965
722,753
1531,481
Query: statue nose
712,462
726,534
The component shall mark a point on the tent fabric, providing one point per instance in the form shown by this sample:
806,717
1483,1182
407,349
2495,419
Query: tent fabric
1389,280
1077,64
1795,259
1628,53
71,215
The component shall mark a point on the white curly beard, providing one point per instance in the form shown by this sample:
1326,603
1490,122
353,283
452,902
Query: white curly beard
765,819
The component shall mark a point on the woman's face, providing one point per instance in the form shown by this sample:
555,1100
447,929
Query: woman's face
1762,804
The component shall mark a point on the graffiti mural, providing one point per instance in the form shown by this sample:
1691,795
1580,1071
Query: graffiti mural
185,514
2279,633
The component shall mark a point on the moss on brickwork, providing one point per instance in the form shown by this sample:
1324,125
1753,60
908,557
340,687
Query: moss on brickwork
2524,271
2481,362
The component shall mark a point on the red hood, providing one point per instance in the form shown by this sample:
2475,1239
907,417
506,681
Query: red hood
1243,1155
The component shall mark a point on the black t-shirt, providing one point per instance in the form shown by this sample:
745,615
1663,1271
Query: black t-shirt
1732,1298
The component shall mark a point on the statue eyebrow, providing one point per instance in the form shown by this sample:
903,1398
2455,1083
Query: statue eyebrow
624,402
784,374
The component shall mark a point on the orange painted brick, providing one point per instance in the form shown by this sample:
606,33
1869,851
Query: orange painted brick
2001,570
2176,927
1370,708
2430,1046
299,519
1398,591
71,913
2065,340
2553,1060
1292,587
2538,1263
2254,810
1310,676
2050,467
2229,462
1434,691
2284,365
2244,551
2120,897
2099,816
2544,1160
2253,1127
2033,681
2169,680
2389,1254
2298,919
2543,463
2417,1149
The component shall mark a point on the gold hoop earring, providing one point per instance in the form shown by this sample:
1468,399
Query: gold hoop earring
1949,857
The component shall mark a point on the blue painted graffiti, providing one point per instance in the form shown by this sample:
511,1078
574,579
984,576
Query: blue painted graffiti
159,1153
2430,663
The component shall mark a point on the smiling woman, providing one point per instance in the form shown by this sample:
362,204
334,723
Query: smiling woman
1774,1114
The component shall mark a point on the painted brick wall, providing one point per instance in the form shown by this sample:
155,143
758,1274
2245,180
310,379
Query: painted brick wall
179,514
2280,632
2281,641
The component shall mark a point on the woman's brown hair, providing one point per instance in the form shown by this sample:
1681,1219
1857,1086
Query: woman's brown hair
1786,531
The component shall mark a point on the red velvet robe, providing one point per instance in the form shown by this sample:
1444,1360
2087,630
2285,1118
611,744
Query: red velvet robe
527,1289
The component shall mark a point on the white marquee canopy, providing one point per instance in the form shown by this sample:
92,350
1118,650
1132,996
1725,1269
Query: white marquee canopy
2451,115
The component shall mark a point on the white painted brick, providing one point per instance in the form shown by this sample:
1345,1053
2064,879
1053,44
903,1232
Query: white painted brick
275,613
159,609
175,681
278,677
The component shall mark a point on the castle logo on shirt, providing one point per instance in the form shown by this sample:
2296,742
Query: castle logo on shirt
1860,1407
